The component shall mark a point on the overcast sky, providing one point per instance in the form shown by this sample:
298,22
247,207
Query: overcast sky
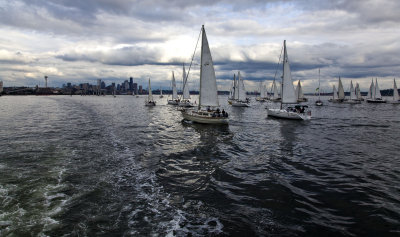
83,40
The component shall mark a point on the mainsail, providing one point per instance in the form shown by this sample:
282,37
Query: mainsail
208,82
186,94
377,91
174,92
288,95
395,91
335,96
352,92
340,90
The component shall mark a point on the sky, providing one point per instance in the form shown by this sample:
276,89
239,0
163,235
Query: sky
81,41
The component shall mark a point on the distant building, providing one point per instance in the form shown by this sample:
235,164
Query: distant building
140,89
1,86
103,85
135,89
130,84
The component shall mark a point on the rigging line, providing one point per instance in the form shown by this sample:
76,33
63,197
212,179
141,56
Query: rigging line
279,61
198,38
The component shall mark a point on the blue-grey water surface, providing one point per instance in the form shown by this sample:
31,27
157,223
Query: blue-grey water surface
104,166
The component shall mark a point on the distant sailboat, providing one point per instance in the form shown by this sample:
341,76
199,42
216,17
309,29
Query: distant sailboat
319,101
353,97
175,99
240,94
150,101
376,96
288,96
263,93
396,99
161,95
185,102
232,91
207,111
358,93
299,93
275,94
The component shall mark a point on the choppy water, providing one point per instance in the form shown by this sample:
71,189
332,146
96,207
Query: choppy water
104,166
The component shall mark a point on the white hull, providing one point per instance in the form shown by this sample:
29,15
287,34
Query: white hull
319,103
203,117
172,102
351,102
239,104
280,113
185,104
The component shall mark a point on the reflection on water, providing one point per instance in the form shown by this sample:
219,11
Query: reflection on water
103,165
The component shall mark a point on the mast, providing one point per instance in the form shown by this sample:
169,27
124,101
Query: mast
201,62
319,84
283,69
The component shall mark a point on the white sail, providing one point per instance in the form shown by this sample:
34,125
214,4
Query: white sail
275,90
287,94
236,88
262,91
377,91
208,82
371,90
186,94
335,96
241,90
352,91
174,91
358,91
395,91
160,91
299,91
150,97
232,92
340,90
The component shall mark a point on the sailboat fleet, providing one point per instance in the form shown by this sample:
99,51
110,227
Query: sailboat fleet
208,111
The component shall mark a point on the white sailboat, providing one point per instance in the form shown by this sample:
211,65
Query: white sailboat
396,99
240,94
274,89
161,95
299,93
358,93
334,95
371,89
207,111
288,96
185,102
376,96
353,97
175,99
150,101
232,91
319,101
263,93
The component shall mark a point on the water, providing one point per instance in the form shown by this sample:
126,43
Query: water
104,166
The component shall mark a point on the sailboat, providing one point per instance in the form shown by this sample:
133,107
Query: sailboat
274,90
288,96
319,101
299,93
185,102
232,91
334,95
396,99
207,112
175,99
376,96
353,97
263,96
358,93
161,95
240,99
150,101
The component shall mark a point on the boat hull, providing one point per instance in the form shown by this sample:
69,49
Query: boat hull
280,113
239,104
351,102
172,102
203,117
150,103
376,101
319,103
185,104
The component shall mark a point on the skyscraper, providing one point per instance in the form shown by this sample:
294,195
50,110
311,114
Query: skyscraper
135,89
130,84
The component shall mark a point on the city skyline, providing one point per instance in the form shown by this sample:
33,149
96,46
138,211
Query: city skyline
72,41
